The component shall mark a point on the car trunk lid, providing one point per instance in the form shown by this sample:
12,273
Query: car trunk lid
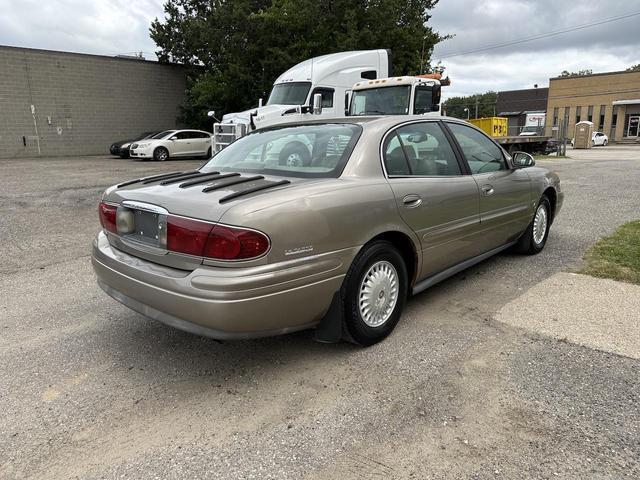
145,203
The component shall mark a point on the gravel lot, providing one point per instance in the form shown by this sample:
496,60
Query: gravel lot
90,389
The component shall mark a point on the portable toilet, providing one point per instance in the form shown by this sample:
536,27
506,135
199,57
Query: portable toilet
583,135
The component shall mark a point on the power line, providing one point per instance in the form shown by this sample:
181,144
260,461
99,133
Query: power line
542,35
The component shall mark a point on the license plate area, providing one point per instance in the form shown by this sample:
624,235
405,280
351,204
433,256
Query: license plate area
148,224
146,228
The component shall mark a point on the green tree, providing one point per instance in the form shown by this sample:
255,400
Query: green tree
579,73
455,106
237,48
634,68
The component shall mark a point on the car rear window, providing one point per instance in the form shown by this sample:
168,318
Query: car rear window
318,150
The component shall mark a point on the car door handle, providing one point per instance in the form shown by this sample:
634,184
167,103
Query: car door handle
487,190
412,200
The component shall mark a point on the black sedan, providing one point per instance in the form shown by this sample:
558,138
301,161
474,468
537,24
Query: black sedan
121,147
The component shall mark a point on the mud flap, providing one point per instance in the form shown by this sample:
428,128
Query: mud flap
329,330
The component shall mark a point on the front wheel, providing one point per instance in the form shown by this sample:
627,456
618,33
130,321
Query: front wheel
160,154
535,237
374,293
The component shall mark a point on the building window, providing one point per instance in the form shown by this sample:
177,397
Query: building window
578,113
564,130
590,118
614,121
601,123
555,117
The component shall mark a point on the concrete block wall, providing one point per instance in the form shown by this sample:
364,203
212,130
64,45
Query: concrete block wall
82,103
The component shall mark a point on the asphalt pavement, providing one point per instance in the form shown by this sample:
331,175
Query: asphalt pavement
90,389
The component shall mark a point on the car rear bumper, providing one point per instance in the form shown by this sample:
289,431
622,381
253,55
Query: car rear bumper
224,303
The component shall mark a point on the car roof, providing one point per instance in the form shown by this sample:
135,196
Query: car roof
381,120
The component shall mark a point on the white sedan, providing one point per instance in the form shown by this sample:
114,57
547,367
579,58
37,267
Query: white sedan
597,139
173,144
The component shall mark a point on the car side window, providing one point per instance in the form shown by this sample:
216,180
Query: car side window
420,149
483,154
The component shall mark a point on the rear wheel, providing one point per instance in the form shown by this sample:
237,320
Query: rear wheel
374,293
604,144
160,154
535,237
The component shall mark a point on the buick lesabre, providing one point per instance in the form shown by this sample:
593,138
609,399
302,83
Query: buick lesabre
333,234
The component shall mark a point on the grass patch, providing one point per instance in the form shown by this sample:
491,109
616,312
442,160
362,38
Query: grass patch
616,256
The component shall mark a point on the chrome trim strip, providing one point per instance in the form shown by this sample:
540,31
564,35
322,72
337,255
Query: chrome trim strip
147,207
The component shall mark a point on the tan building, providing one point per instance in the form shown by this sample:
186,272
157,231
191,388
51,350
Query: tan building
610,100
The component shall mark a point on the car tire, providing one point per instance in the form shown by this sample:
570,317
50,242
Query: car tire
295,154
160,154
374,293
208,153
604,144
535,236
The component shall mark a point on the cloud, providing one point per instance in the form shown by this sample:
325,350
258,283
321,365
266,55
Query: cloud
107,27
111,27
607,47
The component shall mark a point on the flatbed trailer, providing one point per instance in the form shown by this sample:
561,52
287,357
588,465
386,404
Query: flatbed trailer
528,143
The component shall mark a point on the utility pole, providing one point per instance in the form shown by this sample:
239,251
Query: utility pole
477,101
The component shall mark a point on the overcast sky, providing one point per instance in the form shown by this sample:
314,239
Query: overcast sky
122,26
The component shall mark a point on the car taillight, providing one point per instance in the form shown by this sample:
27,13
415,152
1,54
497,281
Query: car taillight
232,243
185,235
108,216
221,242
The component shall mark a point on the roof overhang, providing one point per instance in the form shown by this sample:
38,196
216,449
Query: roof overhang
509,114
627,102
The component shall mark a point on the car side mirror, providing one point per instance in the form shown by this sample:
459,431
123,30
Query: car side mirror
173,138
523,160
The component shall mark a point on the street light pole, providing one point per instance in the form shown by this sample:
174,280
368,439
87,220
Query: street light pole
466,109
422,55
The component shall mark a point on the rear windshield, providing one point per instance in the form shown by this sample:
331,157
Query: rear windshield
319,150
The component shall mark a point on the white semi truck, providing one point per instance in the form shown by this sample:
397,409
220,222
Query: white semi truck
335,85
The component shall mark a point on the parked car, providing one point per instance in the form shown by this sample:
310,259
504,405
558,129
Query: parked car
173,144
597,139
251,244
126,146
120,147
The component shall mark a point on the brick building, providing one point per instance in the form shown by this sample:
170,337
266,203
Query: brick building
516,104
610,100
59,103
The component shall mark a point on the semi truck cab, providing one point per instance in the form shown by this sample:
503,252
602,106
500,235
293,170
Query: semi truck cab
404,95
331,76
